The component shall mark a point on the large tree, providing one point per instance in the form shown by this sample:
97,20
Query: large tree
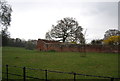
112,37
66,30
5,19
111,32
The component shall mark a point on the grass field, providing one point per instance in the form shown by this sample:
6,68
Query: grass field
102,64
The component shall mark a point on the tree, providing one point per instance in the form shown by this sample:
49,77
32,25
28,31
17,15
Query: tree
66,30
48,36
5,14
112,40
31,44
5,19
111,32
97,42
5,37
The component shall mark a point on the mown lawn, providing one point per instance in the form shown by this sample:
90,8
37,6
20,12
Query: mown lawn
102,64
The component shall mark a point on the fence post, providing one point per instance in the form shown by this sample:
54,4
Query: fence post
112,79
74,76
24,74
46,75
7,71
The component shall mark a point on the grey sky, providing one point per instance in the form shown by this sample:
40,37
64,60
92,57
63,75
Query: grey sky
31,19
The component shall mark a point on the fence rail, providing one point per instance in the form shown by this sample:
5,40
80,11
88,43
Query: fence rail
46,74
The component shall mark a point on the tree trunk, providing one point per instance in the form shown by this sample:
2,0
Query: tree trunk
64,40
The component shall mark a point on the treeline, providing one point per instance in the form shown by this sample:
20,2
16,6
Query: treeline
6,40
17,42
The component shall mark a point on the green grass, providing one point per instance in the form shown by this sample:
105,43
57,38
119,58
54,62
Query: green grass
102,64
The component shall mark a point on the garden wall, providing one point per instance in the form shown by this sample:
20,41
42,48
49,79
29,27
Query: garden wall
62,47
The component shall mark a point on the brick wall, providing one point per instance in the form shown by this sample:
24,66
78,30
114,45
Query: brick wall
61,47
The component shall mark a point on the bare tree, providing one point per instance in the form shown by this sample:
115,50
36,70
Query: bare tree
66,30
48,36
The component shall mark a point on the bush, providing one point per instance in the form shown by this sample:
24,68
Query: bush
30,46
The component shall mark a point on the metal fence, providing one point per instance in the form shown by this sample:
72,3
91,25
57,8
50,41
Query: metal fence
46,74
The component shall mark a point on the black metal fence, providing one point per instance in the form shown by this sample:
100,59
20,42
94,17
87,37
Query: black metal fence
46,74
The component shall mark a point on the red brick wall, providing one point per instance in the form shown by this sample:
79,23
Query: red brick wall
43,46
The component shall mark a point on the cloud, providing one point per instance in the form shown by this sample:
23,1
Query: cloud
37,16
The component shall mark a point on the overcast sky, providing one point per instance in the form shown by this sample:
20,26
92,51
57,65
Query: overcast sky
31,19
